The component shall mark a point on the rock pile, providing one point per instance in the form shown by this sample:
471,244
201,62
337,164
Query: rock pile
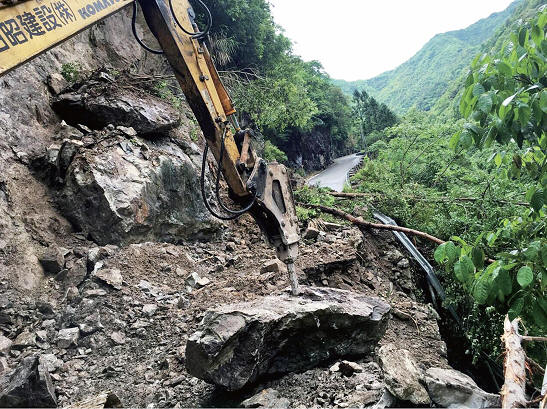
237,344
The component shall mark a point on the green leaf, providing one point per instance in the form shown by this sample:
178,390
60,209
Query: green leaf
481,290
464,270
504,68
466,139
524,114
523,34
539,316
516,308
485,103
440,254
477,255
537,35
532,251
451,252
498,159
525,276
543,102
537,200
453,144
503,282
478,90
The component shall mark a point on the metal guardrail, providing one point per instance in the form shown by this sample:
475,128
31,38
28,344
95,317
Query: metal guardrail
435,287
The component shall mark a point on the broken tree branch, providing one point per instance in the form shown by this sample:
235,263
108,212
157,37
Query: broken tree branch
534,339
513,392
359,221
443,199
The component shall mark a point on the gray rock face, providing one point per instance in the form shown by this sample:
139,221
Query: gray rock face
268,398
5,344
68,337
449,388
402,375
29,385
98,104
125,192
52,260
236,344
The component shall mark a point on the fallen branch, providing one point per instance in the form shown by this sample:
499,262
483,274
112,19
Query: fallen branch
534,366
513,392
359,221
432,200
534,339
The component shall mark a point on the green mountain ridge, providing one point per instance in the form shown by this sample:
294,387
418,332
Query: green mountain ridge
422,80
448,104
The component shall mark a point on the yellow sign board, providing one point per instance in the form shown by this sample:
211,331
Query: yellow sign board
28,29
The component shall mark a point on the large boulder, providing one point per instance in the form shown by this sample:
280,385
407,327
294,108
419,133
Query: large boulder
125,191
402,375
100,103
449,388
236,344
29,385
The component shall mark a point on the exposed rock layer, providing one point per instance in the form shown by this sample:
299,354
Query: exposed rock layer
236,344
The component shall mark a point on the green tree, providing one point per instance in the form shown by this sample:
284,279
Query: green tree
505,104
370,115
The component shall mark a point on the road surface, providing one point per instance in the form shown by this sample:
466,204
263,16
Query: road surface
335,175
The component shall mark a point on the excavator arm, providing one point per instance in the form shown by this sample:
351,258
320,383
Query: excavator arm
259,187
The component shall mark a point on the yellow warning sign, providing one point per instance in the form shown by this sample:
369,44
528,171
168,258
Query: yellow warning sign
28,29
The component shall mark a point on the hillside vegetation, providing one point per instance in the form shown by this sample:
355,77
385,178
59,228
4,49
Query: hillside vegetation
473,172
420,81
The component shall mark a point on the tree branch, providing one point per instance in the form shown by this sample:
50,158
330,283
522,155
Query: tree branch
359,221
433,200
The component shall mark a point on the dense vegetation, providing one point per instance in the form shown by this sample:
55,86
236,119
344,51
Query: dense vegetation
476,177
277,92
370,115
420,81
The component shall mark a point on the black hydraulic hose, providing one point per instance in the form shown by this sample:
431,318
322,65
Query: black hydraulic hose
234,214
198,35
135,34
217,185
203,194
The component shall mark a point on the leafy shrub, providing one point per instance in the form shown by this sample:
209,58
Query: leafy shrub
272,152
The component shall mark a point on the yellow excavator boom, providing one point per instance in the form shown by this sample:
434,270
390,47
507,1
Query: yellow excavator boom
29,28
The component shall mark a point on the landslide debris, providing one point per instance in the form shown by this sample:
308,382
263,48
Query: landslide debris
100,101
237,344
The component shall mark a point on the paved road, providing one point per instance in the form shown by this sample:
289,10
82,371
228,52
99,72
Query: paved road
335,175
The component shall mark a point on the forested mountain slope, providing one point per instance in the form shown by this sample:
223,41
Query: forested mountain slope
420,81
448,103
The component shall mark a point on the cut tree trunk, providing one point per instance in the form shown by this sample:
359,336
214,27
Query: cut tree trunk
513,392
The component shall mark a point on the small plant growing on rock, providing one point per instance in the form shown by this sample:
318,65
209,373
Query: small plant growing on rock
71,72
